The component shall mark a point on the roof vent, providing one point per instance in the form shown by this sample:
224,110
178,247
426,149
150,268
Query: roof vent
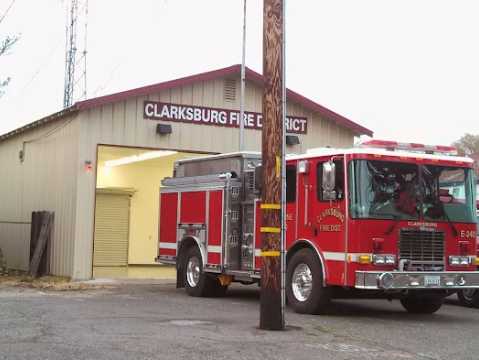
229,93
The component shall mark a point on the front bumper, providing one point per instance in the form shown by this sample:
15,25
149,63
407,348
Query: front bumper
402,280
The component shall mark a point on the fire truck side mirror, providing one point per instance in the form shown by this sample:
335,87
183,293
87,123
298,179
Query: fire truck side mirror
258,177
329,180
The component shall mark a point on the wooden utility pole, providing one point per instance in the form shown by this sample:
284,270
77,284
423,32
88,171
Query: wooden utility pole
271,307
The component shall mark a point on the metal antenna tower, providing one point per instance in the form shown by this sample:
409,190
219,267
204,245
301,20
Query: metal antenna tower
72,58
84,52
71,49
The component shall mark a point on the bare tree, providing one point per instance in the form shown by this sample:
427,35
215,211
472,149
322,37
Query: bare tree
467,144
5,46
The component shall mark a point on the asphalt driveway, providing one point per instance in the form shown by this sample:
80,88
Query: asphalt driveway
143,320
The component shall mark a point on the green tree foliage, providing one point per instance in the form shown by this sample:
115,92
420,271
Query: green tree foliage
5,46
467,144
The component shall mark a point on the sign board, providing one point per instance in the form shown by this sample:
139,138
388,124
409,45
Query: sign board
218,117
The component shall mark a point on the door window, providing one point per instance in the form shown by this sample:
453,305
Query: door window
339,180
290,183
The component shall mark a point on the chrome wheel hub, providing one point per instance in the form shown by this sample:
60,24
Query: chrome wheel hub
193,271
302,282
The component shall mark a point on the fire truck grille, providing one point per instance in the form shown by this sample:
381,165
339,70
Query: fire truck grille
422,247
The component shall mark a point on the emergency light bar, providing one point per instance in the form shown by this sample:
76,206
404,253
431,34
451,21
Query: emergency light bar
394,145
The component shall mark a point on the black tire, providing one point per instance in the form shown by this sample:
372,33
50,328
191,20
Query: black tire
416,304
218,289
205,285
469,299
318,299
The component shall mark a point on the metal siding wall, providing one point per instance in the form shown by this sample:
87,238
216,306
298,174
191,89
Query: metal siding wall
89,133
322,132
44,181
253,102
122,124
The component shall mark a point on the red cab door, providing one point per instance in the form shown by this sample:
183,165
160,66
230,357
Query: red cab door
327,219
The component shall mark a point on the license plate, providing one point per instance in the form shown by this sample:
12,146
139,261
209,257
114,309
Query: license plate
432,280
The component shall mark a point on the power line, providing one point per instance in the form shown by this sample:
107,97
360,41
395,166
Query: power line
40,68
110,77
6,11
43,136
50,132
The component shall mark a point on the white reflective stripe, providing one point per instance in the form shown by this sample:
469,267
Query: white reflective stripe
165,245
330,255
338,256
214,249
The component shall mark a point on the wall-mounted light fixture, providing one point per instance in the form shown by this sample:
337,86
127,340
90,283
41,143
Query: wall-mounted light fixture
163,129
292,140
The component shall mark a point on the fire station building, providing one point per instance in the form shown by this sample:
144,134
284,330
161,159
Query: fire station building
99,164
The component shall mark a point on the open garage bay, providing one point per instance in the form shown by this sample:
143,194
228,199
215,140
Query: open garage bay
127,209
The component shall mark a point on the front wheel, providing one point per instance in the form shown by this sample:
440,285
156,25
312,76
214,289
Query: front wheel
304,284
415,304
469,297
197,282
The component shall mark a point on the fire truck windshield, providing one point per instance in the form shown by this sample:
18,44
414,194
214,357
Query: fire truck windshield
407,191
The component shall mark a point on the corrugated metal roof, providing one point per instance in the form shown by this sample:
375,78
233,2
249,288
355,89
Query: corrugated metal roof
211,75
55,116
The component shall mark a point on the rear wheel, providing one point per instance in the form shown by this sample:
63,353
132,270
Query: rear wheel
304,287
469,297
197,282
416,304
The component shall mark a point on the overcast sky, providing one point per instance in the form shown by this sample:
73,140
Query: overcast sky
407,69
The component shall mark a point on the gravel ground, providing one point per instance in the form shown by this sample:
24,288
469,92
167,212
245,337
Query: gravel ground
145,320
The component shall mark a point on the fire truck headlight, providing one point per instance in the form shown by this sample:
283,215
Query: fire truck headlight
384,259
453,260
459,260
379,259
390,259
476,261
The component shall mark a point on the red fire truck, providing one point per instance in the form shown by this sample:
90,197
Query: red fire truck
377,221
470,297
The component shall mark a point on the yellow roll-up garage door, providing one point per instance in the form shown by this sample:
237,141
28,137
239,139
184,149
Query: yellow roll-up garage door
112,218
